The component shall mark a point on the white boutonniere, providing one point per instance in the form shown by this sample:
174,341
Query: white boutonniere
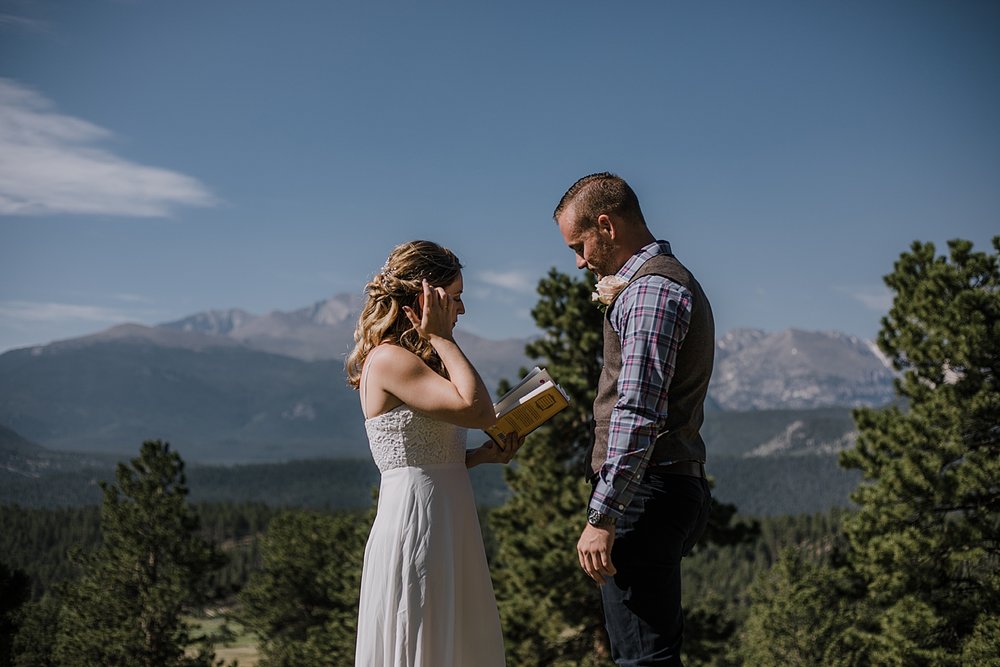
607,289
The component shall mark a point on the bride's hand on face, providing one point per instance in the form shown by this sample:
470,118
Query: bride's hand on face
438,313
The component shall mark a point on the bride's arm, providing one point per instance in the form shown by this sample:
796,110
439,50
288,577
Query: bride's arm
463,399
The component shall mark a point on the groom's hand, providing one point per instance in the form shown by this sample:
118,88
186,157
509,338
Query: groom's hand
594,549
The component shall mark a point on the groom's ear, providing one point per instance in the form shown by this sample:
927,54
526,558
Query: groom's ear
606,226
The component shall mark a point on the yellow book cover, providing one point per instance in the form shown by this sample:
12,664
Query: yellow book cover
534,401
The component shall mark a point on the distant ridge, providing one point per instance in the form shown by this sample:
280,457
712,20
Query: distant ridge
228,386
21,458
136,333
12,443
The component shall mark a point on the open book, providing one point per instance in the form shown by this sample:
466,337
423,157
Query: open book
531,403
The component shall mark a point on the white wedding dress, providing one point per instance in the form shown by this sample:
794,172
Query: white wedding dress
426,595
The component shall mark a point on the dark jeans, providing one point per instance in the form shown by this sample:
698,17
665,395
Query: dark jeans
642,602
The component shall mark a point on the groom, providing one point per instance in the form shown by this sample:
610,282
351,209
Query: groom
650,499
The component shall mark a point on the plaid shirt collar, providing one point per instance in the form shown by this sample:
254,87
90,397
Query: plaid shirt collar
644,254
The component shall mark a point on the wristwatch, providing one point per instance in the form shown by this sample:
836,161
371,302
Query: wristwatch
595,518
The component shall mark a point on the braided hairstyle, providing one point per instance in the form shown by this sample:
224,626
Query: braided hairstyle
398,284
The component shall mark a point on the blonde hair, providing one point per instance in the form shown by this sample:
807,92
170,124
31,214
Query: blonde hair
398,284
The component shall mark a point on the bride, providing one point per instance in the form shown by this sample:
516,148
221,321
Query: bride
426,595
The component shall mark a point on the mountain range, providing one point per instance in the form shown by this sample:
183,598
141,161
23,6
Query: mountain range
755,370
228,386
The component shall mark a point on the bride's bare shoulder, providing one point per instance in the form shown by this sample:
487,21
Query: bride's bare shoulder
391,358
391,351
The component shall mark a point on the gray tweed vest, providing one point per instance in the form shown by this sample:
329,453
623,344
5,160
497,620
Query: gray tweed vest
679,438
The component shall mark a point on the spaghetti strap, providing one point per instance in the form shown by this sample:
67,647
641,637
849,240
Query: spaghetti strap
364,387
364,381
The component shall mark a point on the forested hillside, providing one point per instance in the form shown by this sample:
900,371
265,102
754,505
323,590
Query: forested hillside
770,486
41,543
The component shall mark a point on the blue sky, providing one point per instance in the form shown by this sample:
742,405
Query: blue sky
158,159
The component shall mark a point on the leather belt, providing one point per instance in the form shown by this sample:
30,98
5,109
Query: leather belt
690,468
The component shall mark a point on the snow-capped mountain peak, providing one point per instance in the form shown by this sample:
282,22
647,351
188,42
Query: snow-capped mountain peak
212,322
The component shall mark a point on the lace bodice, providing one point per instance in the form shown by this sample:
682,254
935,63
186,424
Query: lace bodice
402,437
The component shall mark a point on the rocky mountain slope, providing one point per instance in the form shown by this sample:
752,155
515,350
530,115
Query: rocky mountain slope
229,386
755,370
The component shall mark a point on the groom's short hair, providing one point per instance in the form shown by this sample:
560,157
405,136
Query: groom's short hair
600,193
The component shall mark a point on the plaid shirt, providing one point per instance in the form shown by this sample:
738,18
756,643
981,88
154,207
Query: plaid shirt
651,317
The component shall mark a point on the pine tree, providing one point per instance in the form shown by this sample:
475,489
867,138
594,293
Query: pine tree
802,615
920,582
126,609
550,611
926,537
15,590
35,640
303,602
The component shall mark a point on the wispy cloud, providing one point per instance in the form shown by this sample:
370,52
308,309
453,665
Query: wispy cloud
51,163
132,298
877,299
33,311
22,23
509,280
